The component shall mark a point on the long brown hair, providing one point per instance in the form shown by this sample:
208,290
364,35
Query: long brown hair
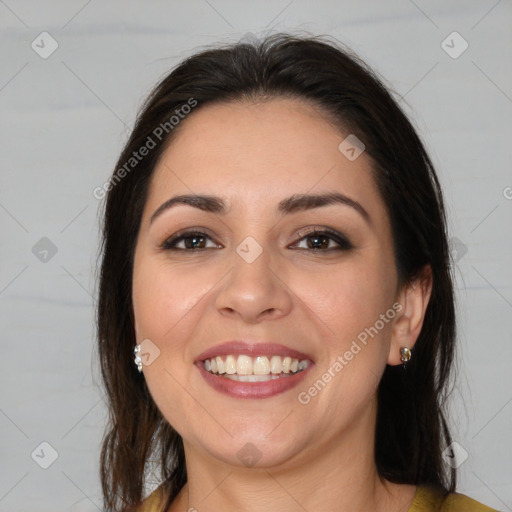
411,427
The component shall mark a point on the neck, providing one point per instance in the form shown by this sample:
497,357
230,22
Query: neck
335,475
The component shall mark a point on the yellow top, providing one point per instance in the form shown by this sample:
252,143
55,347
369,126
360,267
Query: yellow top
425,500
429,500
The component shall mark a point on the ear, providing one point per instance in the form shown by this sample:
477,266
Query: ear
413,298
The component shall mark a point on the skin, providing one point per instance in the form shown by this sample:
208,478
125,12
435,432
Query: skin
318,456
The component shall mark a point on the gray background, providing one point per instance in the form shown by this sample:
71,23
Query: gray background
64,120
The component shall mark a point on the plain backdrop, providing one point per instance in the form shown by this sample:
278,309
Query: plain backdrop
66,112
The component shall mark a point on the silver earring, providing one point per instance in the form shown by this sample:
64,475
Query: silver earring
138,360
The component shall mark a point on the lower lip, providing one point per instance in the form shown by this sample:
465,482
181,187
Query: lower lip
239,389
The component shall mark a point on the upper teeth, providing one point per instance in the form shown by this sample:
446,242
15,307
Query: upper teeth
260,365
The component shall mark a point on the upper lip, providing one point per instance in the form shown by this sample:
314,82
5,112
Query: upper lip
252,349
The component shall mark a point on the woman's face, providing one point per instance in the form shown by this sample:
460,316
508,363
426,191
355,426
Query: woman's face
259,276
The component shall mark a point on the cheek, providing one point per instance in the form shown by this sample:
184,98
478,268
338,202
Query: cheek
165,304
351,308
355,352
162,298
348,297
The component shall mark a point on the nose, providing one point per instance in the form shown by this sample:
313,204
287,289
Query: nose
253,290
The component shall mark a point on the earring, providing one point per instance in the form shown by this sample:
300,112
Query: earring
405,354
138,360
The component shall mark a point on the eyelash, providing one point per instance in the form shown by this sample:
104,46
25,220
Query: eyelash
343,242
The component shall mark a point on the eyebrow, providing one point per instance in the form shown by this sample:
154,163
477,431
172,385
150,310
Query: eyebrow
294,203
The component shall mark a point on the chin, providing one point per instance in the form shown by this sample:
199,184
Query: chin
253,449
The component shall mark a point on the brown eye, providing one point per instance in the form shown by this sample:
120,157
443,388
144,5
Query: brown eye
192,241
322,240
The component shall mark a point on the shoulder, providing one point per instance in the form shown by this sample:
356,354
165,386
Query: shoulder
461,502
427,499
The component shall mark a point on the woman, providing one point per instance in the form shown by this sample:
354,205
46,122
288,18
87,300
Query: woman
275,257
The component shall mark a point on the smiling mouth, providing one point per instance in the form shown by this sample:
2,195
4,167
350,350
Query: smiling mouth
244,368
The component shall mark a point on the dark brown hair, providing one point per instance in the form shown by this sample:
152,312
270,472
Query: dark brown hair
411,427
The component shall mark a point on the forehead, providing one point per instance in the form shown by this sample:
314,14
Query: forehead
260,152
